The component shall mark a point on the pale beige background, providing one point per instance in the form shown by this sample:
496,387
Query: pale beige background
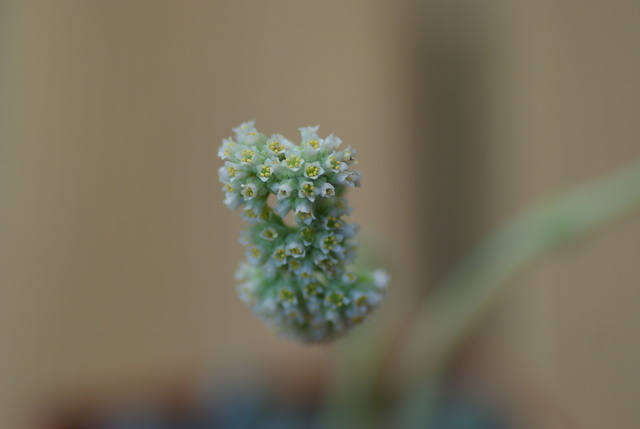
117,254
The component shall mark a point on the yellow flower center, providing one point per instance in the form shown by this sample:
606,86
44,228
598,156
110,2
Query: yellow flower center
307,189
335,163
276,147
246,155
286,295
312,171
330,242
293,162
312,288
333,222
248,191
269,234
307,234
304,215
361,301
266,171
337,299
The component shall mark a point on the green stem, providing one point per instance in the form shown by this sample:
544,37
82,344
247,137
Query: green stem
464,298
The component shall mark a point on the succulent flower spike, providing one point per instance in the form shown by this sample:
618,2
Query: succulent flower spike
298,278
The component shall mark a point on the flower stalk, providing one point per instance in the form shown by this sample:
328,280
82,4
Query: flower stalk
298,277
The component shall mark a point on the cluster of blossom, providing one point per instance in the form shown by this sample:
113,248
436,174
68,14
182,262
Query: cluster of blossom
297,277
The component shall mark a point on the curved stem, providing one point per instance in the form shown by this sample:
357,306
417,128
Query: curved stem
465,297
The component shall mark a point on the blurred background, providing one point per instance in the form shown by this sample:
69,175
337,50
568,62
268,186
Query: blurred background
117,298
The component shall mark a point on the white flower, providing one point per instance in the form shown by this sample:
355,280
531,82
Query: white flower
277,145
307,234
267,169
336,300
254,254
283,207
246,291
232,172
231,187
233,200
312,290
293,160
267,307
243,272
287,297
327,190
295,266
340,207
312,144
354,178
309,133
331,142
322,260
360,300
295,250
306,272
253,211
304,212
349,251
249,215
269,270
307,190
249,191
313,170
348,178
227,149
284,191
227,172
349,278
246,133
380,278
269,234
243,129
279,256
349,230
245,237
332,222
335,163
330,242
349,155
247,155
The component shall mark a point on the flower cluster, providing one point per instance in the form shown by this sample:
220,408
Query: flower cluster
297,276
